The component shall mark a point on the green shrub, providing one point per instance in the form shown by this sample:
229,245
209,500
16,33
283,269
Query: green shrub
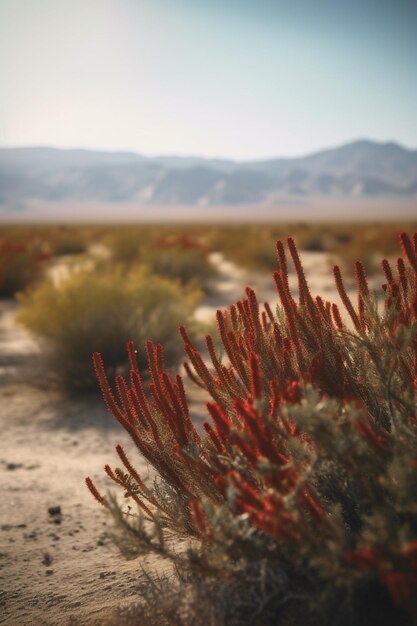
86,311
303,484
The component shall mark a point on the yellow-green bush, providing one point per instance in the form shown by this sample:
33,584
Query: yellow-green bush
165,254
184,265
86,311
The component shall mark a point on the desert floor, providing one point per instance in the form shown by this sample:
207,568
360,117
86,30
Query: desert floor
59,567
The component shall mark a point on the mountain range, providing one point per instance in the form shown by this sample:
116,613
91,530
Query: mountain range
361,169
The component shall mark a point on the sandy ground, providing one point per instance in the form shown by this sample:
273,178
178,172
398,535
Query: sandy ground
57,566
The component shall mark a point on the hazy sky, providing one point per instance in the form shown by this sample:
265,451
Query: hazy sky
233,78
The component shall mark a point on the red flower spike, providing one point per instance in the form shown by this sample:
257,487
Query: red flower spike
274,402
305,295
143,488
151,352
179,418
122,390
269,312
323,309
234,317
261,438
132,354
408,248
345,298
282,260
199,366
140,396
402,275
192,376
94,491
219,418
255,376
360,272
105,387
237,360
337,317
245,447
387,271
230,383
160,358
363,291
184,335
181,393
213,356
213,437
254,312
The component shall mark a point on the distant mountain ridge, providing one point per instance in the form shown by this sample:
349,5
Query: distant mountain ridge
361,169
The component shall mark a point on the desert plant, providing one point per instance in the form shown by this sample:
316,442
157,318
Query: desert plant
308,463
175,256
21,264
69,246
87,311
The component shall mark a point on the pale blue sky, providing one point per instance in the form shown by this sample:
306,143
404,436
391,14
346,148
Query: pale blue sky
231,78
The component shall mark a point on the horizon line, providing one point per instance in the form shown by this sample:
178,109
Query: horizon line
201,156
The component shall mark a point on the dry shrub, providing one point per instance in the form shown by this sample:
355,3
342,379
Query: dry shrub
174,256
307,465
21,264
69,245
366,242
88,311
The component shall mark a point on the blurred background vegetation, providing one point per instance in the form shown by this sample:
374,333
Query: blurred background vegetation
82,288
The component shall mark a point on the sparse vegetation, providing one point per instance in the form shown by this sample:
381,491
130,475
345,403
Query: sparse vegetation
303,483
87,311
21,264
176,256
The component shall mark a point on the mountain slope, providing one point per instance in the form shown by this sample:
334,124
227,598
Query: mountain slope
359,169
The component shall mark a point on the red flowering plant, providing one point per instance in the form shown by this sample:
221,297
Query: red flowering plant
308,459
